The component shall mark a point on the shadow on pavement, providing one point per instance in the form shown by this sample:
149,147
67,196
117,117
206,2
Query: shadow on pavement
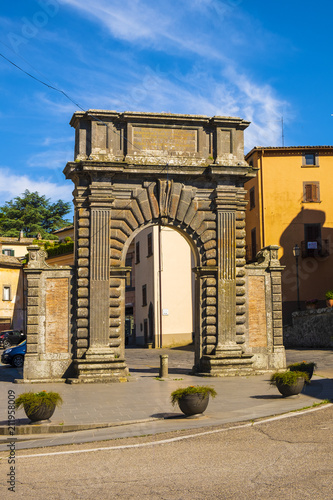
10,374
320,389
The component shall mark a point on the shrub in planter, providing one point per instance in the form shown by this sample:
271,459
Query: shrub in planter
192,399
303,367
329,298
38,405
289,383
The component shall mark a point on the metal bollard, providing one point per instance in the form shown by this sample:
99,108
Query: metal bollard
164,361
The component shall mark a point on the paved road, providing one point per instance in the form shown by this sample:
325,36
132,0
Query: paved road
284,459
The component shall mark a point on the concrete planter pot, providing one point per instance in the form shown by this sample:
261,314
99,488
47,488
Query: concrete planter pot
307,368
43,412
38,406
291,390
193,404
290,382
192,400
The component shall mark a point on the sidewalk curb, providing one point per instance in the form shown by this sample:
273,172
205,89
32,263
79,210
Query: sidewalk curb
50,428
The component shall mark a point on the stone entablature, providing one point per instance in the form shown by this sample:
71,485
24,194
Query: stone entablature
151,138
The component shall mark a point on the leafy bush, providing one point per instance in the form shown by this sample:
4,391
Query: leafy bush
204,390
303,366
32,400
329,295
288,377
60,249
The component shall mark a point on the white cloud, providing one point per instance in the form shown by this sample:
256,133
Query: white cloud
51,159
125,19
14,185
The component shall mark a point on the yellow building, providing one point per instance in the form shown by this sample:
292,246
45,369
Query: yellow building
290,203
11,299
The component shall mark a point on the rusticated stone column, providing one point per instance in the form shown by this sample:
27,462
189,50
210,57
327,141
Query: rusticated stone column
99,279
103,360
226,206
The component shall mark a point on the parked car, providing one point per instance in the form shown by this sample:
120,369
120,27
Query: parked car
15,355
11,337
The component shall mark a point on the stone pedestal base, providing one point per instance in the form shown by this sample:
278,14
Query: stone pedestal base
216,366
99,365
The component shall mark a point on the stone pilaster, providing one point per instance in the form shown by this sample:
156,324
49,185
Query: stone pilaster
103,360
226,245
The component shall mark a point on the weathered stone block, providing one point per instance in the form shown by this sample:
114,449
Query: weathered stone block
83,272
83,252
211,291
32,310
210,340
83,232
84,222
83,262
115,312
83,282
211,282
83,292
82,323
32,329
82,343
82,333
115,293
211,262
114,322
210,320
33,282
32,320
211,311
83,212
32,301
82,312
115,302
83,302
83,242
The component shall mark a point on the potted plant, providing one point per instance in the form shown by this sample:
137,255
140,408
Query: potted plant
38,405
329,298
311,304
303,366
192,399
289,383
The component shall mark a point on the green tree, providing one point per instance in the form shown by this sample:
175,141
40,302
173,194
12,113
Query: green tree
32,214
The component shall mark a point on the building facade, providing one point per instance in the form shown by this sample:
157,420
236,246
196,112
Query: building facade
290,203
164,292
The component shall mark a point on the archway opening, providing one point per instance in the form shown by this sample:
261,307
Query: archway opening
160,298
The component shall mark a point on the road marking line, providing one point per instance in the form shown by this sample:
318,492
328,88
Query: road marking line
179,438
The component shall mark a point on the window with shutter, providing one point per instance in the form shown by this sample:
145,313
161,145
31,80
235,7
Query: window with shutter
311,192
8,251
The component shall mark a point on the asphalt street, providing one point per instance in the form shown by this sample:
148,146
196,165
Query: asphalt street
279,459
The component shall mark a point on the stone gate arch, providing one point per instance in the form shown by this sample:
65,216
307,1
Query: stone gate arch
136,169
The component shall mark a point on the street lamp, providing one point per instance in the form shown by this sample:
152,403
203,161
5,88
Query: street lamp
297,252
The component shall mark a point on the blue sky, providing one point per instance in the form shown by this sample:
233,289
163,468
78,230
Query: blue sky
256,59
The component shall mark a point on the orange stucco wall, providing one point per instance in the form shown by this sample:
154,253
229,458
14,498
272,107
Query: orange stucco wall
280,213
